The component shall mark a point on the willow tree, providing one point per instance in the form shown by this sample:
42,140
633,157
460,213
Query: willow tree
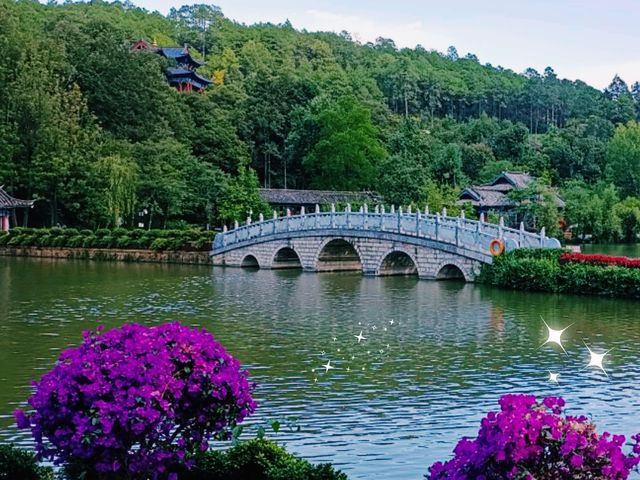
120,177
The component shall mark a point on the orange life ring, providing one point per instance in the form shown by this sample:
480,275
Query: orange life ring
496,252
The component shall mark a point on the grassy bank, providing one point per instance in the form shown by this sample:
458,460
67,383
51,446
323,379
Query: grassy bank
544,271
188,240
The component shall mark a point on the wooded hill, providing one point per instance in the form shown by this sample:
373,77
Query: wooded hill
95,133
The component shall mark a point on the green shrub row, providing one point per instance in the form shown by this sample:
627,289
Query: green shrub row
17,464
540,270
252,460
189,240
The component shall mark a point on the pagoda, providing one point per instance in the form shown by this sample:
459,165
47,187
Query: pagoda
182,73
7,205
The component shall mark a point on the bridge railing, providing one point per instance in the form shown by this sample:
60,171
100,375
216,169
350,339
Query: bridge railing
473,235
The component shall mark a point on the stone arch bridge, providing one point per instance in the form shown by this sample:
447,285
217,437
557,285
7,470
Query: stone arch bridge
376,243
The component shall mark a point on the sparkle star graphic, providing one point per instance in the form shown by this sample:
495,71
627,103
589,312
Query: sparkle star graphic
390,322
553,377
596,359
360,337
328,366
555,336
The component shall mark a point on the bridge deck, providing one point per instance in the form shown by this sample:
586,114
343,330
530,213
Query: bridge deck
448,233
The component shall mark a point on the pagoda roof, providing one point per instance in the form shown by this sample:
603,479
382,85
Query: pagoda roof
180,55
7,201
180,73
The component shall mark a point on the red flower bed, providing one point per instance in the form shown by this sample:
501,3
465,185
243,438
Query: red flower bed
597,259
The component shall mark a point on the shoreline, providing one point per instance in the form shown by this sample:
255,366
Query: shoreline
110,255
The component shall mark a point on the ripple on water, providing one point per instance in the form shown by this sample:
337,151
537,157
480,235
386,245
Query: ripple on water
436,357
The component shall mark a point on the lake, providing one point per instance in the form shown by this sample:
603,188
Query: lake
436,358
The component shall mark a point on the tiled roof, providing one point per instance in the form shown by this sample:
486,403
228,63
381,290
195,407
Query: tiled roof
494,194
7,201
276,196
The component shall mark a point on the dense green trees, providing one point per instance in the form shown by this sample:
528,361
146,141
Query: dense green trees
94,133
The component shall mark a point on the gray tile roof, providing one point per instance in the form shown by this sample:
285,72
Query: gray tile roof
7,201
275,196
494,194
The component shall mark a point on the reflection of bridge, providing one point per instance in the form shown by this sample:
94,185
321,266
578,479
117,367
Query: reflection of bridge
378,243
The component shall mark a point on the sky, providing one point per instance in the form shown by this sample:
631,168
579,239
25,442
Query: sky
591,40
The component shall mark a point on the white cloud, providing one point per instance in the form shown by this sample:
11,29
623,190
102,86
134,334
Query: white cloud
364,29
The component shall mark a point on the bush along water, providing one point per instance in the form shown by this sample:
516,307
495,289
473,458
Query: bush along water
553,270
531,440
193,239
137,402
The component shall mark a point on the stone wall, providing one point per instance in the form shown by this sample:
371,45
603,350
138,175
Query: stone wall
109,254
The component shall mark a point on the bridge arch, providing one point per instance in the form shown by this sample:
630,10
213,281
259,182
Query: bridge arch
249,261
338,254
286,257
397,262
452,271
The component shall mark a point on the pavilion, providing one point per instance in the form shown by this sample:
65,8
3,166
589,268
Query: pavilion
182,74
7,205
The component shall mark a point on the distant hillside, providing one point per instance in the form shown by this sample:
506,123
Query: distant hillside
95,133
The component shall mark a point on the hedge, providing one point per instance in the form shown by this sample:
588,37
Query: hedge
543,271
187,240
257,459
17,464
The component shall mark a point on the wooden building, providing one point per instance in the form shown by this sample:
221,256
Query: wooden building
7,206
182,73
494,196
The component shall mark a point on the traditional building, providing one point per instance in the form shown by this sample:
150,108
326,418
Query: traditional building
494,196
294,200
182,73
7,205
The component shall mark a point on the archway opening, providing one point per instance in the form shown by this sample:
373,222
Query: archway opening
398,263
338,256
450,272
250,262
286,258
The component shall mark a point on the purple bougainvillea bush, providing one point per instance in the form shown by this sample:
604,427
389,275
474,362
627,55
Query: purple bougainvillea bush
136,402
528,440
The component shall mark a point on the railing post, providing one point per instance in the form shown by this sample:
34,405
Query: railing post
347,210
418,223
302,212
437,225
501,228
444,212
521,235
426,210
333,212
261,220
365,218
458,225
543,234
275,217
235,224
248,220
399,219
225,229
409,210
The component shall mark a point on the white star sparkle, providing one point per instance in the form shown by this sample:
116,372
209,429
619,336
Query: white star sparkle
328,366
391,322
596,359
555,336
553,377
360,337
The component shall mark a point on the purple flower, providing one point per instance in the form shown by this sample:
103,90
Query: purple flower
533,440
138,399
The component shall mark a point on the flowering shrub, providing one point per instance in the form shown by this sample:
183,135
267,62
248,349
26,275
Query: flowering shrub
137,402
598,259
534,441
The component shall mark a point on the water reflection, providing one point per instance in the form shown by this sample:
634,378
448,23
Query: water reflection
436,358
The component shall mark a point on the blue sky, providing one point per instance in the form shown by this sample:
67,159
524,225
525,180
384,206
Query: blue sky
587,39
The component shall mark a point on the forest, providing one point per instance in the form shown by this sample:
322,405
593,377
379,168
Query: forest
95,134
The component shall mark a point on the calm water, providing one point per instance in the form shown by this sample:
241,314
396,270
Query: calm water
436,358
624,249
